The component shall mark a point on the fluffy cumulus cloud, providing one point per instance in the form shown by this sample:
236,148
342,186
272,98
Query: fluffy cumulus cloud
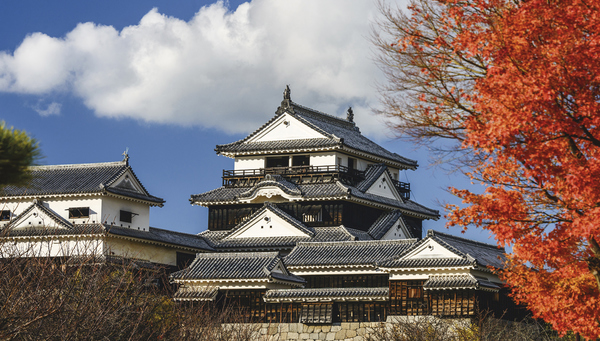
222,69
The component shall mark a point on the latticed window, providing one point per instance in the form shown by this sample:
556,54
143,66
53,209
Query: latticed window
408,298
316,313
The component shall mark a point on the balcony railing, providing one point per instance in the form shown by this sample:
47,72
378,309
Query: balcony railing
297,174
403,188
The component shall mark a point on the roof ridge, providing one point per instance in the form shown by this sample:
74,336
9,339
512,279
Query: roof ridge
80,165
317,113
350,242
432,233
237,254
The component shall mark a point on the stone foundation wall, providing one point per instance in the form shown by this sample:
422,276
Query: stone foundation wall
347,331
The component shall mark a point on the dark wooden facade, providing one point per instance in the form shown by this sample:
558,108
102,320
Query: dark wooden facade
409,298
326,213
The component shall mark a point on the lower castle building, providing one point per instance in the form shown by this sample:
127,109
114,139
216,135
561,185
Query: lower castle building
312,225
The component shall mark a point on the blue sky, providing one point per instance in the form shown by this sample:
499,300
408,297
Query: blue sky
171,79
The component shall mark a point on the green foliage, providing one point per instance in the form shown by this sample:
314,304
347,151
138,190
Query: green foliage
18,151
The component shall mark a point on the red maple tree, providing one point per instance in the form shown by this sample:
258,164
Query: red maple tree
517,85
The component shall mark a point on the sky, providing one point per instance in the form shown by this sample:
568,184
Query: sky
169,80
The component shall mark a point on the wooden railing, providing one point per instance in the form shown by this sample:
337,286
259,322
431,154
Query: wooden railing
231,177
403,188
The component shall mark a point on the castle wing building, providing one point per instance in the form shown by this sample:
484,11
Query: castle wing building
97,209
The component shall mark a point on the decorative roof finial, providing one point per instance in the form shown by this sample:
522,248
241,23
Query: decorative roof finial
126,155
350,115
287,93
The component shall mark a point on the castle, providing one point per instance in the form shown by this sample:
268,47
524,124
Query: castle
312,225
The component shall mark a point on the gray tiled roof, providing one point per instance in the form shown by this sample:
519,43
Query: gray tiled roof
194,294
235,265
459,281
282,145
471,253
274,210
346,253
358,234
163,236
384,223
51,214
349,133
485,254
338,133
321,234
153,234
336,190
372,173
272,180
79,229
327,294
78,179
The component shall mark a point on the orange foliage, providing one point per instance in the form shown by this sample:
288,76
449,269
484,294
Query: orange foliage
532,125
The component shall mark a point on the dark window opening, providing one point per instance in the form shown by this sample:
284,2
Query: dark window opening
279,161
126,216
79,212
300,160
313,215
4,215
351,163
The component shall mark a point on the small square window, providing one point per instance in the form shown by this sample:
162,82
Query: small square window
4,215
126,216
79,212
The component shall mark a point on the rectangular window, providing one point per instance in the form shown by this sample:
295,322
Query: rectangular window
126,216
4,215
300,160
79,212
351,163
316,313
278,161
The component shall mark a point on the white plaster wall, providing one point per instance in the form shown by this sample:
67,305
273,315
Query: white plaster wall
323,159
396,232
286,127
360,164
51,247
143,251
382,187
274,226
249,162
60,206
112,206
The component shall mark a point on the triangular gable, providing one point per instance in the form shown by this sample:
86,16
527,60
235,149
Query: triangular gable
286,127
384,187
398,230
128,182
280,268
269,222
37,216
430,248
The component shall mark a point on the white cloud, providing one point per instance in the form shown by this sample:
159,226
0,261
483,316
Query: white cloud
52,109
222,69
